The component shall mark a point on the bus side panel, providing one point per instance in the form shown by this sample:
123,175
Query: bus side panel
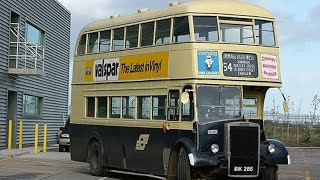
79,139
130,148
135,149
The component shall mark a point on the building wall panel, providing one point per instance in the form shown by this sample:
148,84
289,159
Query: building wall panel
54,20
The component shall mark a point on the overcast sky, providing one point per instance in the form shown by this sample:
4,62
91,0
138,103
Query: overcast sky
298,28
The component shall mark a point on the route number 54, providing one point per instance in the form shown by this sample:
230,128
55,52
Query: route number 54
227,67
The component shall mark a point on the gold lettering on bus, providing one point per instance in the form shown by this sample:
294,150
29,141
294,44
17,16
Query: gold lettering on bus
142,142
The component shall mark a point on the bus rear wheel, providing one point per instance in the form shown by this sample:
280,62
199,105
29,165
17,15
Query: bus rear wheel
183,166
96,168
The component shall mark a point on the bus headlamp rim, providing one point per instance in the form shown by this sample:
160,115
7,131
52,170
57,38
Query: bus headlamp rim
214,148
271,148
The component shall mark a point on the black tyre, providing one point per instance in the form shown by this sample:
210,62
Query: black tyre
96,167
183,166
60,148
271,173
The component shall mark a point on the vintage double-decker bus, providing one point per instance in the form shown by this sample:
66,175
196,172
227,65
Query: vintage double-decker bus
177,92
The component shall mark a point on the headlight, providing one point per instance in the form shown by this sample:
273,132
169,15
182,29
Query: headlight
271,148
214,148
64,135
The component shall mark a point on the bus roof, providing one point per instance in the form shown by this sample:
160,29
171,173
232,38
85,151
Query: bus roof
224,7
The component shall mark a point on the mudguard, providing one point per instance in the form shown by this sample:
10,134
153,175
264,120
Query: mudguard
196,158
280,156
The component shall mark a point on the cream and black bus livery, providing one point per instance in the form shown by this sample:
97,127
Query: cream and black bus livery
177,92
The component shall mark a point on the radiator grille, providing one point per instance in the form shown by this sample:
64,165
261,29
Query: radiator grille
244,150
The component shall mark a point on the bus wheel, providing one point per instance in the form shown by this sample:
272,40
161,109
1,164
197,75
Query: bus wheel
271,173
96,168
183,166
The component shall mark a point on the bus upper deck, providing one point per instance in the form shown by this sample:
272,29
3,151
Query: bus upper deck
195,40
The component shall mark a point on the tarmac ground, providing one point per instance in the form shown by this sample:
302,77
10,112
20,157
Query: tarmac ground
54,165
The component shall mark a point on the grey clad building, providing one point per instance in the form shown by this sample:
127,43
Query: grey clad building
34,68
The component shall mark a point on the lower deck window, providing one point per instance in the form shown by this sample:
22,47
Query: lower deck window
128,107
144,107
102,107
159,107
90,106
115,103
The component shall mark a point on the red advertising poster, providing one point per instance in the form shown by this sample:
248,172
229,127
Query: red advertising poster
269,66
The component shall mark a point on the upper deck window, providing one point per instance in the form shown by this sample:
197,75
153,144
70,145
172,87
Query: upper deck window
205,28
82,45
264,33
105,41
147,34
93,43
118,39
236,33
181,31
163,32
132,36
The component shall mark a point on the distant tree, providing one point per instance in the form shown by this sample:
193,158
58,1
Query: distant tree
314,104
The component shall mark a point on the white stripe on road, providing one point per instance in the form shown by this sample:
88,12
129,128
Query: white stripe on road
103,178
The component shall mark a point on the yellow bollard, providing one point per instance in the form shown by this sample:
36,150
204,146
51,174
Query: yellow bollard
36,139
45,138
10,135
20,134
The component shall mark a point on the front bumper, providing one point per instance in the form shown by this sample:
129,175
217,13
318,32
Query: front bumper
64,141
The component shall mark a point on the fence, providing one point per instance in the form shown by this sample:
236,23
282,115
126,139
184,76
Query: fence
293,129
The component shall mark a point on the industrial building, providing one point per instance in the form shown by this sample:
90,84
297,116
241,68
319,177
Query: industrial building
34,68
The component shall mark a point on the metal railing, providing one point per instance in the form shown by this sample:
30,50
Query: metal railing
32,54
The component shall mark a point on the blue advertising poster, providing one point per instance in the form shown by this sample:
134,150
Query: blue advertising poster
208,62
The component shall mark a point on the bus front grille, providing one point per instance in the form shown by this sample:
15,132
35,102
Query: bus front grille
243,149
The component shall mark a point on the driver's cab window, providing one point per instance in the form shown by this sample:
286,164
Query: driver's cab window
173,106
188,108
250,107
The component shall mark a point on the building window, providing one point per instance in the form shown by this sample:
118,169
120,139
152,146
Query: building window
32,105
159,107
163,32
132,36
90,106
102,107
105,41
118,39
181,31
128,107
35,35
115,107
147,34
93,43
144,107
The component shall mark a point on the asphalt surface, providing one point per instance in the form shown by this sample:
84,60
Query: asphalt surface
58,166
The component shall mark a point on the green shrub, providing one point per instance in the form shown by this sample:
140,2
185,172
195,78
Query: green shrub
318,140
306,135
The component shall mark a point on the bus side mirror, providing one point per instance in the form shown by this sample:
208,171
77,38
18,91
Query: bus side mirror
285,106
184,97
